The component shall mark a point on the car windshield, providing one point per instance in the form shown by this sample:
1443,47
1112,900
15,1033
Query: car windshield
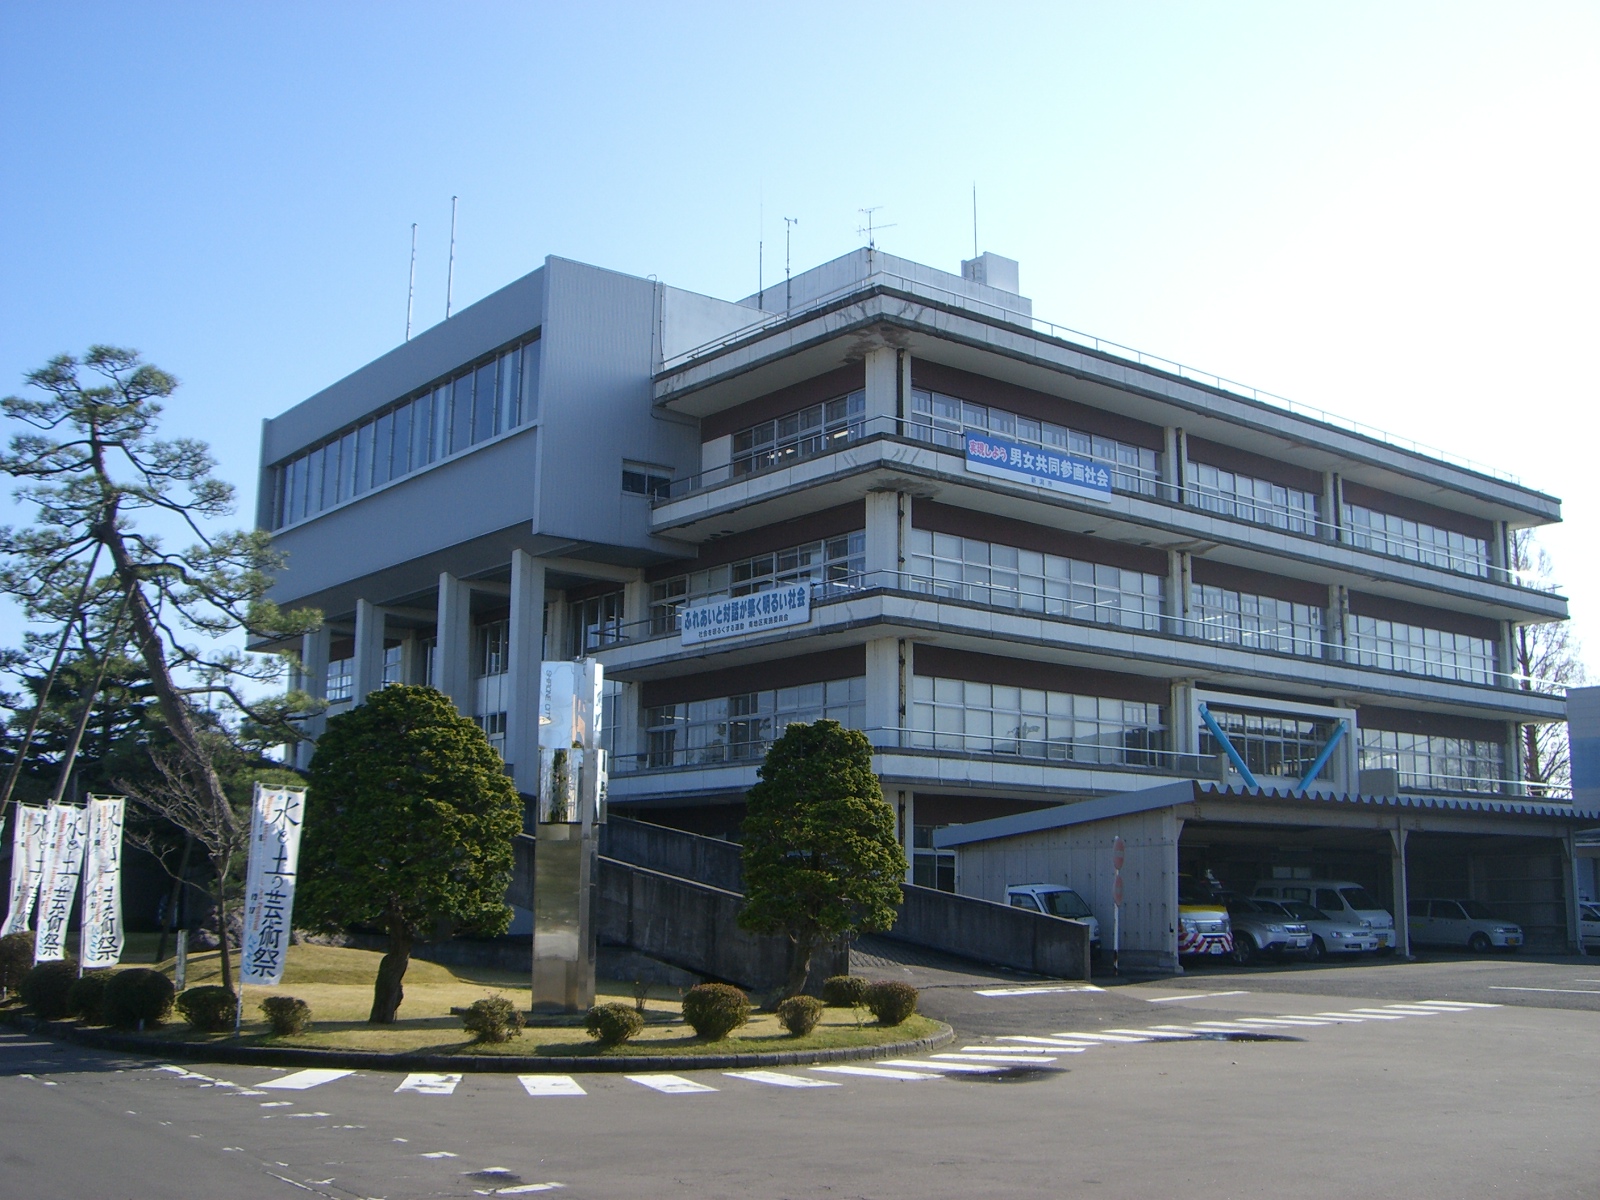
1240,905
1479,911
1190,892
1065,904
1359,898
1298,908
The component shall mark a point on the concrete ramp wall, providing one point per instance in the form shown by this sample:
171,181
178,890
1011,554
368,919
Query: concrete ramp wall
673,852
992,933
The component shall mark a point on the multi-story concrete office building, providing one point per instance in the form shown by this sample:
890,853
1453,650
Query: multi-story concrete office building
1033,568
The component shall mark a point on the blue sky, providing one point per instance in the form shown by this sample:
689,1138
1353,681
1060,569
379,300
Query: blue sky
1384,210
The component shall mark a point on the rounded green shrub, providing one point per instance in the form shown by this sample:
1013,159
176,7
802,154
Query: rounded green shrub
800,1014
287,1015
209,1009
86,997
493,1019
714,1010
16,960
612,1024
844,991
47,987
135,995
891,1001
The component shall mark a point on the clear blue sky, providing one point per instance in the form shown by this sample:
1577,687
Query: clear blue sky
1386,210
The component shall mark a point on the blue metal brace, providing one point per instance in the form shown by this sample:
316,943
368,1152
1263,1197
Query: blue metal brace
1227,747
1322,758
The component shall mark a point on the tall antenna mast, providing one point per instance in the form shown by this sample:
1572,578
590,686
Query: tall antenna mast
867,229
450,279
974,218
411,289
788,293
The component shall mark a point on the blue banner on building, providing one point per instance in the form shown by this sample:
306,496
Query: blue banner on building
1002,459
770,609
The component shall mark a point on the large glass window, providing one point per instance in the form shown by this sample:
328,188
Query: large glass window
1259,622
1272,743
941,419
740,728
1416,650
1006,577
831,565
982,718
596,622
931,868
341,683
492,653
1251,499
1433,763
1417,541
803,434
488,399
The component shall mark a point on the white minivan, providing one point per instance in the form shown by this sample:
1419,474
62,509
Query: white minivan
1341,899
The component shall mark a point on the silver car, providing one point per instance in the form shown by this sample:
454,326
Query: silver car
1469,923
1258,929
1328,936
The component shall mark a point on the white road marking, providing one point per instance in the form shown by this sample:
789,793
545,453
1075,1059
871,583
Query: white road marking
551,1085
19,1045
299,1081
1102,1037
315,1114
779,1079
1562,991
1413,1008
1477,1004
1037,991
1191,996
1390,1010
439,1154
998,1050
1364,1015
1168,1033
908,1064
524,1188
1290,1021
671,1085
1001,1059
1052,1043
876,1073
277,1104
428,1084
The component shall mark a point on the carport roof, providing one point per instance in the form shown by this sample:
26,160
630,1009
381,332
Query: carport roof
1170,795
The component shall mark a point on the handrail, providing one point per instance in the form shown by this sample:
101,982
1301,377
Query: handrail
1099,345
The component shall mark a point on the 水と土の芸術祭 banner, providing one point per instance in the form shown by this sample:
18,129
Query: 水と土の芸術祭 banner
68,831
101,942
29,844
275,822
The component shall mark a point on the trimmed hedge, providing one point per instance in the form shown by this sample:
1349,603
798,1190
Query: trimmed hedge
714,1010
16,960
493,1019
800,1014
612,1024
209,1009
287,1015
135,995
844,991
47,987
86,997
891,1001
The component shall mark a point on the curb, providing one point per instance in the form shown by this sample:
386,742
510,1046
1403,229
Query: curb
288,1056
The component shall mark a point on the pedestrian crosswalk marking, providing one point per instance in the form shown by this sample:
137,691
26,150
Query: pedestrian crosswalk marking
779,1079
299,1081
997,1049
551,1085
429,1084
671,1085
877,1073
1168,1033
1102,1037
1038,991
1052,1043
1001,1059
1391,1011
959,1067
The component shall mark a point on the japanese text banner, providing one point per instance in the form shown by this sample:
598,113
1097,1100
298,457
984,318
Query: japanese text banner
269,882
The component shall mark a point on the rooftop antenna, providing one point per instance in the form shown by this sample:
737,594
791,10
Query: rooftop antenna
868,228
411,289
974,218
450,279
788,296
761,249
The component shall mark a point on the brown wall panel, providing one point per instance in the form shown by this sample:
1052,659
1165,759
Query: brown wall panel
1385,609
963,522
1230,458
939,662
830,522
1238,579
1029,403
1432,723
846,662
1416,510
787,400
959,810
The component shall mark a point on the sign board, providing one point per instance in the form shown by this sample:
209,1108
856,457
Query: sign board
1119,849
1017,463
101,934
30,839
571,703
737,616
68,832
275,821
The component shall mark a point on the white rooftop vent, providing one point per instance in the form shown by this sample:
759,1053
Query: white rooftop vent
992,270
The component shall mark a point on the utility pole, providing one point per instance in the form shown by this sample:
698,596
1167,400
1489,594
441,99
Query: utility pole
450,278
411,289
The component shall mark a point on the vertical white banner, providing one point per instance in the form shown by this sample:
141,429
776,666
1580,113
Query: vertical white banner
275,822
28,845
68,828
101,942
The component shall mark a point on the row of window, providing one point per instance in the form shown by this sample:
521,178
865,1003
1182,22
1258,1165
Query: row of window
803,434
1431,762
1395,646
828,564
1401,537
990,573
1249,499
1257,622
1271,743
472,406
942,420
740,728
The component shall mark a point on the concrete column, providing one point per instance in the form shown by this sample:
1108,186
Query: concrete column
1184,719
1499,555
1171,466
627,729
1516,766
1402,898
1506,665
905,384
1329,516
369,649
1569,885
1181,465
635,610
555,632
313,673
883,536
522,679
453,659
908,817
883,691
1180,577
883,389
715,456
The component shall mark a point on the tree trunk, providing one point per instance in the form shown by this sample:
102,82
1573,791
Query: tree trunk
176,898
801,947
222,925
387,992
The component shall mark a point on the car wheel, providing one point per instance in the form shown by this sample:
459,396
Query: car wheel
1316,951
1478,943
1244,950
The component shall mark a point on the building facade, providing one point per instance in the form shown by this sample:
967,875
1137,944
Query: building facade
1032,568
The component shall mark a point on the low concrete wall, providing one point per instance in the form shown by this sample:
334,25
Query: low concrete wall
695,927
673,852
993,933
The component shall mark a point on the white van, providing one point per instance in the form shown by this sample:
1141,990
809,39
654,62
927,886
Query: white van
1340,899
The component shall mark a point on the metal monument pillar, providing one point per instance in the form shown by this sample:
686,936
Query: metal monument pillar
572,803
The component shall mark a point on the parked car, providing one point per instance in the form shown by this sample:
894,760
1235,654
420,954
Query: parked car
1258,929
1469,923
1329,935
1589,924
1203,925
1056,901
1340,899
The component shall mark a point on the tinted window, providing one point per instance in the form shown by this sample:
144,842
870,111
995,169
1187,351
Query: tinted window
1329,900
1479,911
1298,908
1357,897
1066,904
1447,910
1296,893
1027,902
1417,908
